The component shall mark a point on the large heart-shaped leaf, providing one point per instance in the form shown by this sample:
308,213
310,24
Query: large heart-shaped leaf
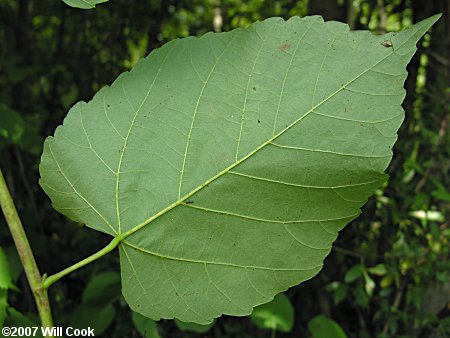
227,164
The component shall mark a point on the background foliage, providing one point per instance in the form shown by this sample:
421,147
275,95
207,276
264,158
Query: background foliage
389,272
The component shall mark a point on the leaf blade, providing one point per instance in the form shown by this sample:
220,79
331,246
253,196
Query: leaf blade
193,143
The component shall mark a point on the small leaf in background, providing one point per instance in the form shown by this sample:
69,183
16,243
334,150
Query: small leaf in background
15,265
146,326
429,215
102,289
386,281
97,318
369,284
324,327
275,315
31,140
441,193
378,270
97,302
3,306
11,124
360,295
354,273
84,4
6,281
339,291
193,327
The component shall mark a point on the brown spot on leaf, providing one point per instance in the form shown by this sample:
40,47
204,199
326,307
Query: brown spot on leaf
284,47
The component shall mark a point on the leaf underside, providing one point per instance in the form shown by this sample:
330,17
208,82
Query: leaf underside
83,4
227,164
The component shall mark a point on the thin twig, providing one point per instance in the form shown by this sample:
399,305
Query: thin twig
395,305
348,252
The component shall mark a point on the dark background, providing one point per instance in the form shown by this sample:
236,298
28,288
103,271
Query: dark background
52,55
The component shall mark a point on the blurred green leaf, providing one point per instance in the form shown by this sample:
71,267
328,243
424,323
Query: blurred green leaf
15,265
369,284
31,140
378,270
360,295
11,125
429,215
6,281
339,291
102,289
3,306
95,317
324,327
354,273
275,315
147,327
441,193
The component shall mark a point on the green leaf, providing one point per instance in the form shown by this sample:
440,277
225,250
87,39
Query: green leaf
84,4
146,327
354,273
429,215
227,164
339,290
441,193
323,327
31,140
98,318
378,270
360,295
275,315
11,125
369,284
15,265
3,306
102,289
193,327
6,281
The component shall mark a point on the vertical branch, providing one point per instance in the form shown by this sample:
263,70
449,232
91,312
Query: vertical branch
383,16
351,14
25,253
218,18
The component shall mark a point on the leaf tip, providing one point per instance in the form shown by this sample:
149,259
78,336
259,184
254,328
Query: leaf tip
429,22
